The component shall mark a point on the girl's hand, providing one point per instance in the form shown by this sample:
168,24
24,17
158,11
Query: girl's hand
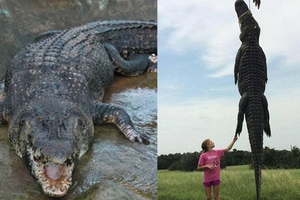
235,138
210,167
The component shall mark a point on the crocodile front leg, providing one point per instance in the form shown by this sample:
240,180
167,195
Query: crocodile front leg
134,67
267,128
243,104
152,63
106,113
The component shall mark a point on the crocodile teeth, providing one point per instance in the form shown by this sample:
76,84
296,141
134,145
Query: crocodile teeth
55,179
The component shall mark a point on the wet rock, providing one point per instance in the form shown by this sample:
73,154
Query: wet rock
105,191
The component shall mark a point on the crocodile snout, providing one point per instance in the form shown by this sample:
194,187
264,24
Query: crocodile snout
240,7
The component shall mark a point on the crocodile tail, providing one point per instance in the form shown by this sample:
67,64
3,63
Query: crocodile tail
255,124
133,67
129,36
256,148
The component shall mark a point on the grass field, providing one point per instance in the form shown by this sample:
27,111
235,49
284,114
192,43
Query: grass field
237,183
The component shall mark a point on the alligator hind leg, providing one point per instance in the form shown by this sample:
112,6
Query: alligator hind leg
267,128
133,67
243,104
152,63
106,113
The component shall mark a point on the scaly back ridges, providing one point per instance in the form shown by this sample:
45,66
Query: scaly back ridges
122,34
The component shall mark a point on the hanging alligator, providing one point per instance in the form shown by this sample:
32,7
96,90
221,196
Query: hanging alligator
54,89
250,72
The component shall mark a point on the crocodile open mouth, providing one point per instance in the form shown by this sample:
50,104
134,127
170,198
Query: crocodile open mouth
54,178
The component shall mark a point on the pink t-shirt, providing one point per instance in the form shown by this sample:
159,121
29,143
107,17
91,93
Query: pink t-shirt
211,158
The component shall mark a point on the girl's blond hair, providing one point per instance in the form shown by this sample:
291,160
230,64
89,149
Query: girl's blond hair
204,144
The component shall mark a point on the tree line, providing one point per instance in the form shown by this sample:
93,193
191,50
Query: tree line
272,159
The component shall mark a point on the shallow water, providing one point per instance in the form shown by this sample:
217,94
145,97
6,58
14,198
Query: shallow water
113,164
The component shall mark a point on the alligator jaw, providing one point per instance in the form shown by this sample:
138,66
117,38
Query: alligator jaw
55,179
241,8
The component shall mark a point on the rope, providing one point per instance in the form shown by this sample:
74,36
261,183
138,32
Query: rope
249,5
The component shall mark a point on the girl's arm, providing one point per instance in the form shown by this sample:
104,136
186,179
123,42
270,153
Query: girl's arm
231,144
200,167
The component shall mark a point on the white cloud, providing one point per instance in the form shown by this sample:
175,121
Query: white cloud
211,28
191,22
193,121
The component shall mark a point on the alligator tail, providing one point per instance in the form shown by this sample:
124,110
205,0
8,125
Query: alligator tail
133,67
255,108
128,37
135,37
257,118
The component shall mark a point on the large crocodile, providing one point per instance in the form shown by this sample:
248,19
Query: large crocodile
250,72
54,89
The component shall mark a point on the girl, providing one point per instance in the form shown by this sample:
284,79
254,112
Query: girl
209,160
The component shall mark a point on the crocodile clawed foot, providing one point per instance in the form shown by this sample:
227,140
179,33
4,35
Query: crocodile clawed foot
152,63
140,138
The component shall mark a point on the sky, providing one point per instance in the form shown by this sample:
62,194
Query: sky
197,97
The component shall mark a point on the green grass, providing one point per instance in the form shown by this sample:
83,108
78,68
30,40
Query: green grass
237,183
